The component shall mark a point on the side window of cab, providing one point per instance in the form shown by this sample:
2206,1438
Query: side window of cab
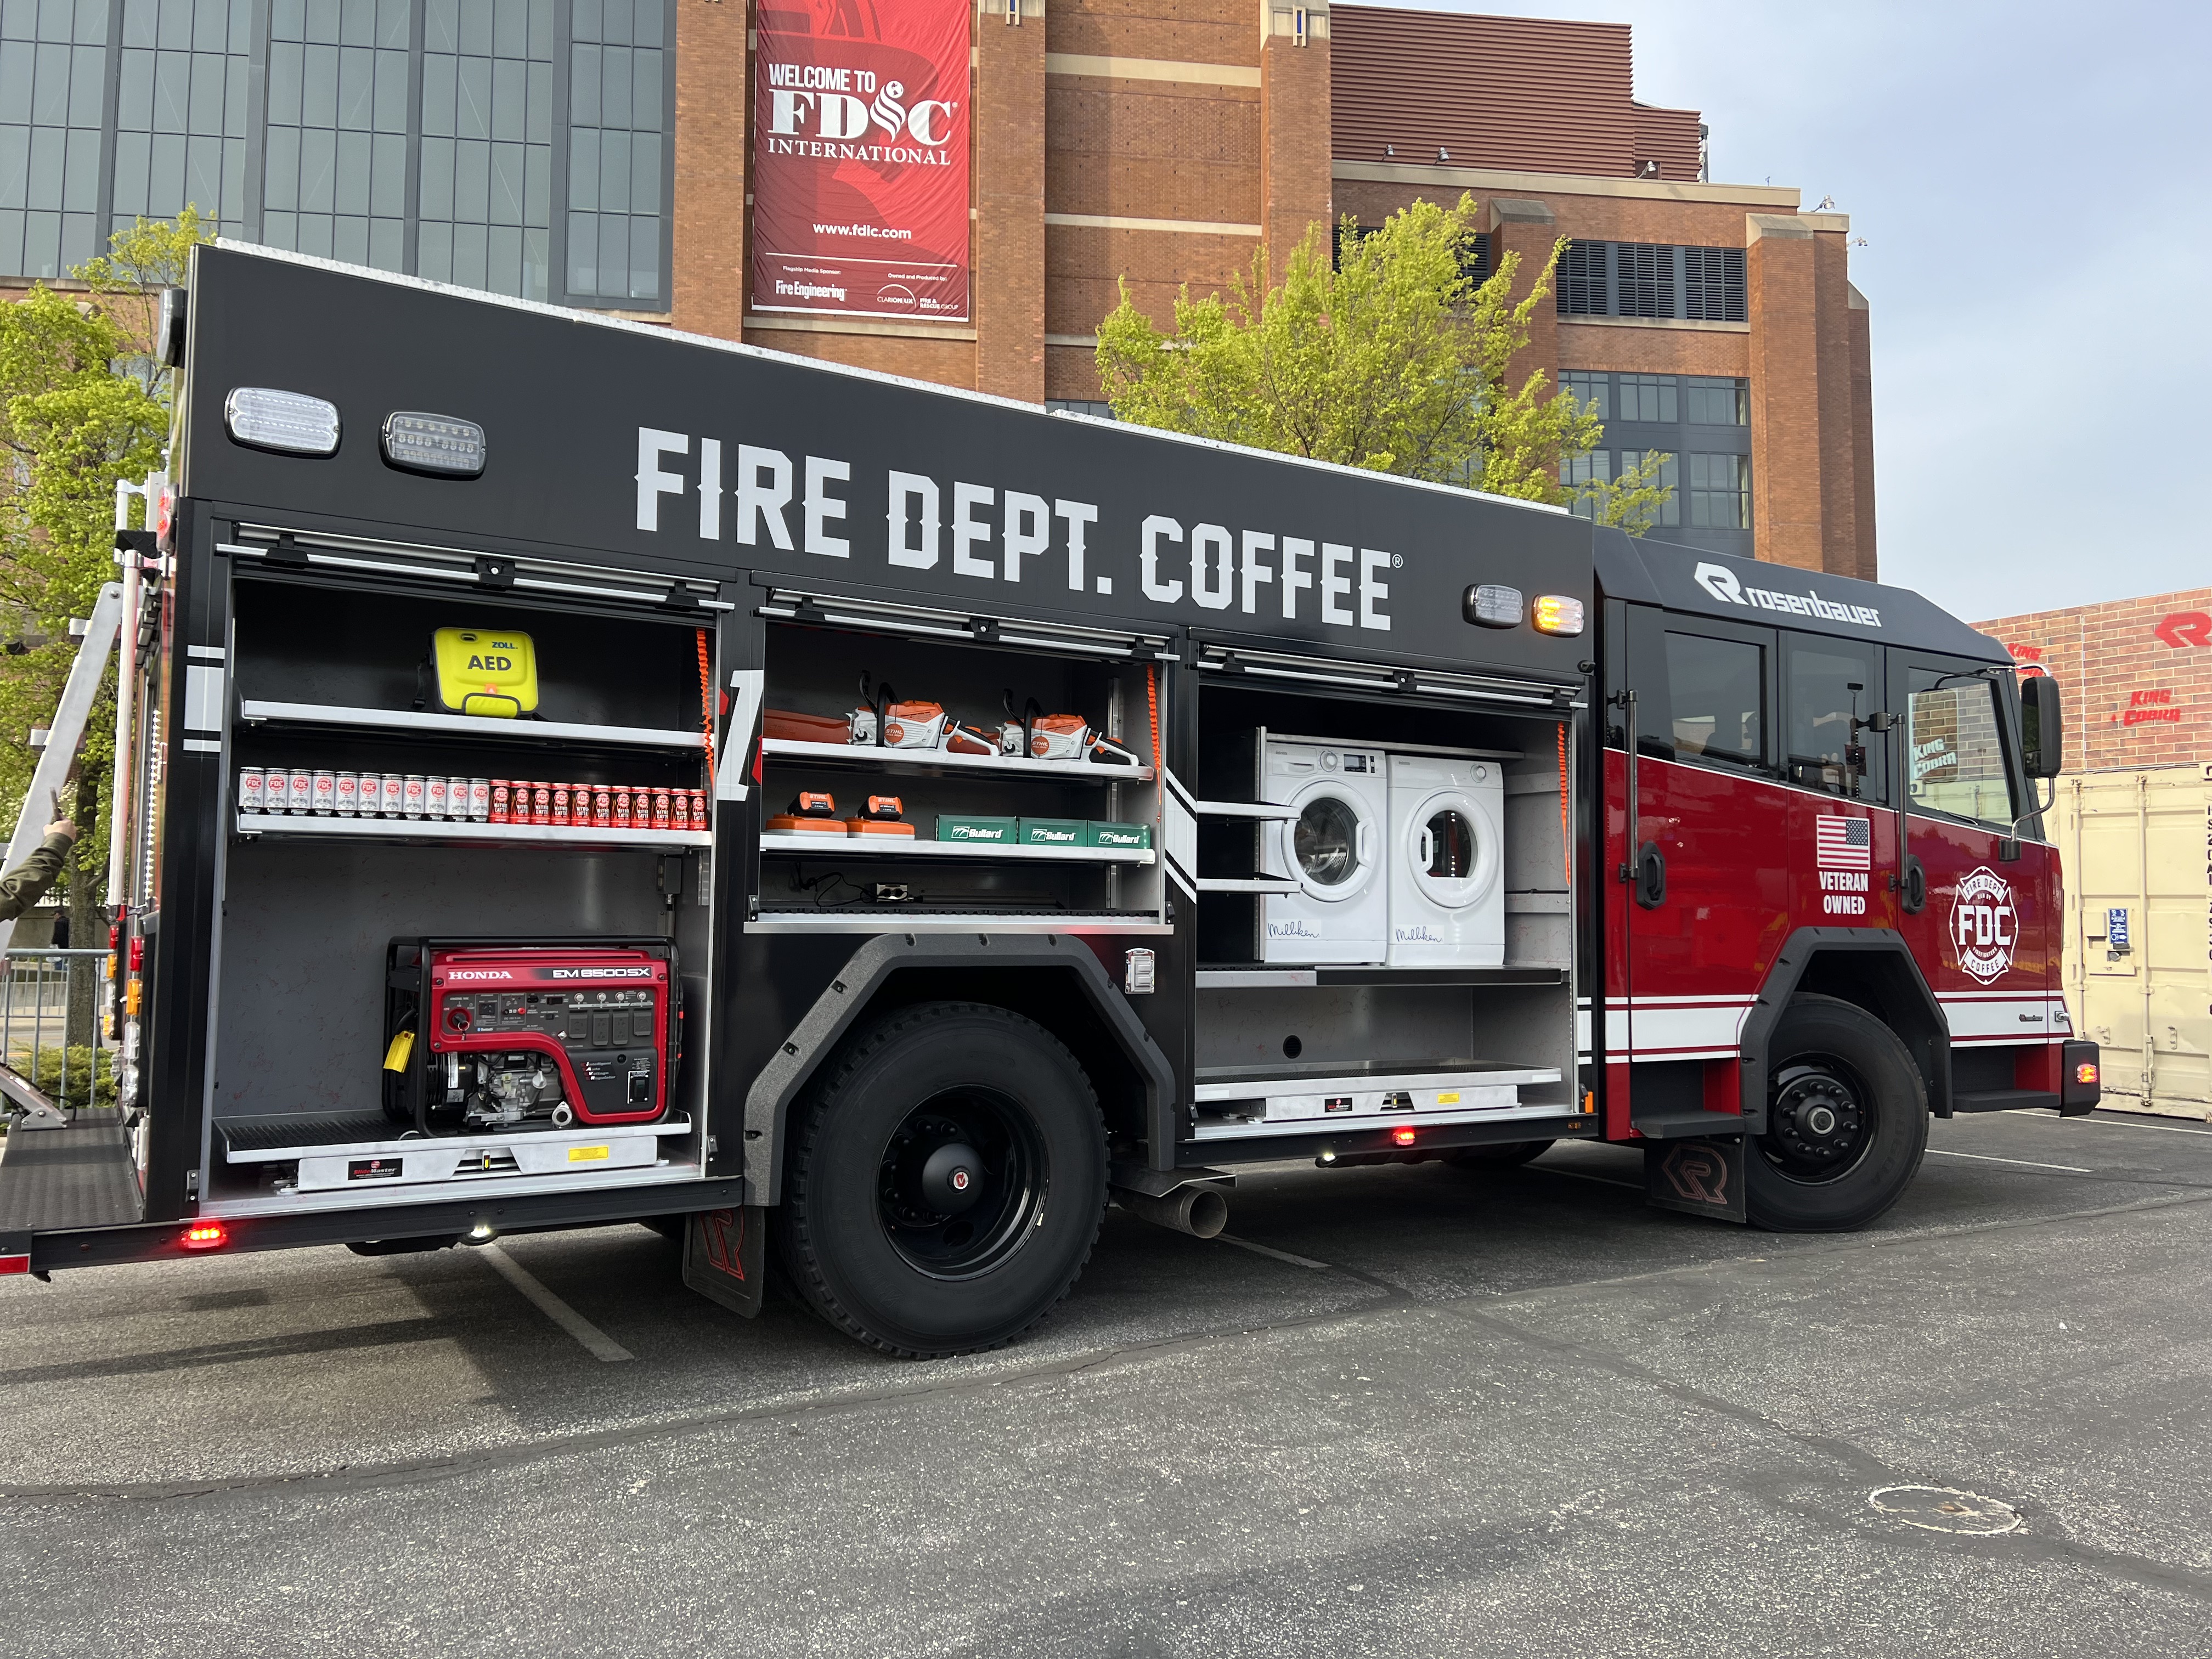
1832,689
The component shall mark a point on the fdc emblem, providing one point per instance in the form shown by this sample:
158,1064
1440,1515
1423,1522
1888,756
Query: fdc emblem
1984,924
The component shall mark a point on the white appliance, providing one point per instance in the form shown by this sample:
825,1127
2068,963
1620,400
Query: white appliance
1332,849
1446,876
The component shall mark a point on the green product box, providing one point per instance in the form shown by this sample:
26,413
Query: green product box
974,831
1052,832
1117,834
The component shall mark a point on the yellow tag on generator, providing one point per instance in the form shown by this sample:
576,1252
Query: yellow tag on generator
482,672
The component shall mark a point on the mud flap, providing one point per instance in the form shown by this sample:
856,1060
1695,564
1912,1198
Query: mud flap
725,1256
1700,1177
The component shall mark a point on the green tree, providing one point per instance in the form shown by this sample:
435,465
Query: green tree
1393,358
82,405
1631,501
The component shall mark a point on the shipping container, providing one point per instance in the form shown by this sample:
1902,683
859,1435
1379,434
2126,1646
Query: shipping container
2137,847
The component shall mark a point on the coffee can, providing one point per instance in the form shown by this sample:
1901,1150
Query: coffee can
541,803
348,800
603,806
660,809
392,794
371,793
252,789
679,811
416,797
298,790
621,807
479,800
500,791
560,803
701,811
434,797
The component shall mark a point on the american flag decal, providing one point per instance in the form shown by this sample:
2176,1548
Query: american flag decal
1843,843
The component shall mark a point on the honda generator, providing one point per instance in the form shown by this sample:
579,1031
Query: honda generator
530,1034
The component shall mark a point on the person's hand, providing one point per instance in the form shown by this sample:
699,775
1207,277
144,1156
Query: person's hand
62,827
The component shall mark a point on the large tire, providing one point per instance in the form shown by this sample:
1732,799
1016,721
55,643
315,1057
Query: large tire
947,1180
1497,1154
1847,1121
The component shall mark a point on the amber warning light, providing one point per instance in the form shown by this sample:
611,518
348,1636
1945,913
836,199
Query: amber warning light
1557,614
2086,1071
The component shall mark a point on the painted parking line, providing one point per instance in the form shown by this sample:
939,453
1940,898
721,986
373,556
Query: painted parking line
2024,1162
1279,1255
596,1342
2107,1123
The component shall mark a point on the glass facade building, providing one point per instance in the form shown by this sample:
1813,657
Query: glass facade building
1702,421
520,146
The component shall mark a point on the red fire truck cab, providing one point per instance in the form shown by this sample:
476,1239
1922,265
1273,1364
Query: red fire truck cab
1827,909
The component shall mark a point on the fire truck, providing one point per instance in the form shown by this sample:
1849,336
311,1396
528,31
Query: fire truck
573,772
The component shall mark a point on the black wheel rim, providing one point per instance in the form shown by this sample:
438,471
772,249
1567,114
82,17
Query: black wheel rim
961,1183
1819,1122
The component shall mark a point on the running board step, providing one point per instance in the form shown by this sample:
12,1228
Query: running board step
1686,1125
2004,1100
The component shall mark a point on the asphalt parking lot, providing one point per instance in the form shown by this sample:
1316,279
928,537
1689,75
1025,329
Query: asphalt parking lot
1410,1410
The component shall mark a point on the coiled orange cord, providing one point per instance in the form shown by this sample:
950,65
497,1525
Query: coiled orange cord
1152,704
706,704
1566,840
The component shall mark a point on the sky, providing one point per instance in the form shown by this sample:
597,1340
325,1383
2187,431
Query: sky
2034,184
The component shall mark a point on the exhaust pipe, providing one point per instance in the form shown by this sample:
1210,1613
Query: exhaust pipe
1200,1211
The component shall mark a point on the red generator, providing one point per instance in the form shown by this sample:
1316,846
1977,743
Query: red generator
528,1034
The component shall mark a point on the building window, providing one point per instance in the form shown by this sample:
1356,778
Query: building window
1720,491
1597,467
53,73
1652,279
615,144
334,177
1474,261
1714,402
1593,391
461,140
1649,399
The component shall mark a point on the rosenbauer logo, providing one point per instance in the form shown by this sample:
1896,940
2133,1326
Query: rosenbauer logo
1724,585
1984,925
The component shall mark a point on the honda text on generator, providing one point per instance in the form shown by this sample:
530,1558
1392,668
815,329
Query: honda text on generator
577,773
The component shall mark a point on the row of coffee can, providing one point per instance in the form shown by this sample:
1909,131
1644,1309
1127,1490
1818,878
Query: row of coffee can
311,791
597,805
302,791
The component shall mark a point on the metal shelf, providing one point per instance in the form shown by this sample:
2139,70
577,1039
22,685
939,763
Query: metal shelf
493,835
900,847
943,761
468,725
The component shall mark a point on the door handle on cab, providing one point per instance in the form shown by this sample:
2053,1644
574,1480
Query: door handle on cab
1650,876
1912,890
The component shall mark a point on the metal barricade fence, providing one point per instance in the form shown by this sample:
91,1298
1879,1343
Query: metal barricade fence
67,1067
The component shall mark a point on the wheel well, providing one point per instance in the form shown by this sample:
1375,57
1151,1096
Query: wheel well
1883,984
1052,997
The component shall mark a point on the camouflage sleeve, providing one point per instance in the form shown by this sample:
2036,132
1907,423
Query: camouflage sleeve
27,884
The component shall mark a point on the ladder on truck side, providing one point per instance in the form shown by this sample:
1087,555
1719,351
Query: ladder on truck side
80,1172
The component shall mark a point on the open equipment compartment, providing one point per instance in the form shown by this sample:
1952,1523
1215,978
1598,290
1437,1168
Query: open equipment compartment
1007,840
323,915
1384,918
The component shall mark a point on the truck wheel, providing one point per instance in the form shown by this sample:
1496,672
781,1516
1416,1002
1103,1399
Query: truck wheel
1847,1121
1497,1155
947,1180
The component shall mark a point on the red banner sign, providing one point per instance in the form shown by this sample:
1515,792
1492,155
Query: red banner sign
860,159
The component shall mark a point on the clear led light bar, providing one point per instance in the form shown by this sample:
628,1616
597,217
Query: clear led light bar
289,421
1557,614
441,444
1492,605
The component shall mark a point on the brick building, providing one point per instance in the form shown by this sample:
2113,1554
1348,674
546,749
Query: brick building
604,153
2134,676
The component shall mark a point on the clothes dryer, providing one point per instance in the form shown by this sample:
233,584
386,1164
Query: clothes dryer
1447,876
1332,849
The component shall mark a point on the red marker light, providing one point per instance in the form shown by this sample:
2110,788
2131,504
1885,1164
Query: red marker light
1403,1137
205,1235
2086,1071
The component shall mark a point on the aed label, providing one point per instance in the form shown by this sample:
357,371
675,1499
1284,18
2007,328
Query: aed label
491,665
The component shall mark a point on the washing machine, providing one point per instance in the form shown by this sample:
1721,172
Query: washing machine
1447,876
1332,849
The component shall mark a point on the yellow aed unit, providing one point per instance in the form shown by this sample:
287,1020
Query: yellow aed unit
483,670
